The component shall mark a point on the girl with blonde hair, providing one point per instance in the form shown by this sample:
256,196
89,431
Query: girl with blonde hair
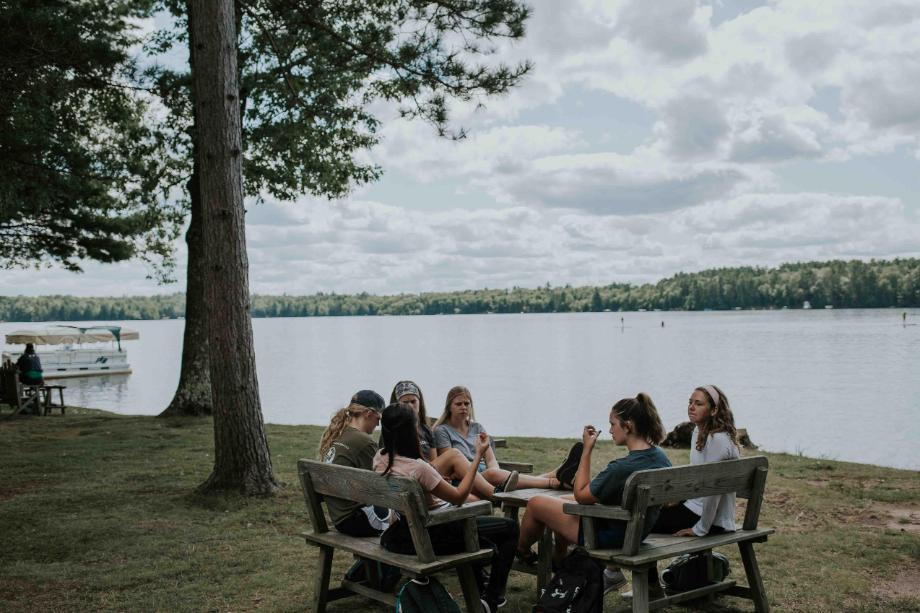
457,430
347,441
451,464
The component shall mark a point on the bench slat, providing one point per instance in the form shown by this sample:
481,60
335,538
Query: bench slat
596,510
683,482
346,482
721,586
369,547
660,546
449,514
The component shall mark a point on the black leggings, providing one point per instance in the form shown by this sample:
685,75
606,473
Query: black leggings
677,517
499,534
356,524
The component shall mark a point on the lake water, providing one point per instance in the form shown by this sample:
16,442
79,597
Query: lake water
840,384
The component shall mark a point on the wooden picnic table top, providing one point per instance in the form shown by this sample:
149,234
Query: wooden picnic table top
519,498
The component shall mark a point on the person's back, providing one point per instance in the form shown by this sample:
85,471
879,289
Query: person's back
30,367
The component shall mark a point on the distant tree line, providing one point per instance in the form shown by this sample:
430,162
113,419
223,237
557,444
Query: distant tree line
843,284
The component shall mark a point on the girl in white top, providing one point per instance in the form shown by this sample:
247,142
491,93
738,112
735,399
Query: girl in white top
714,439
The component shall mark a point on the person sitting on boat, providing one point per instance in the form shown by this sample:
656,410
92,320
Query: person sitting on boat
457,429
452,465
30,367
347,441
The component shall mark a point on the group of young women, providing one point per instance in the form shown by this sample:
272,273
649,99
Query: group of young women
454,462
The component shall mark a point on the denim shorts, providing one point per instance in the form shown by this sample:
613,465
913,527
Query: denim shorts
610,534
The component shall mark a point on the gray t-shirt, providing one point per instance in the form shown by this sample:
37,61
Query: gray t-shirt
426,441
446,436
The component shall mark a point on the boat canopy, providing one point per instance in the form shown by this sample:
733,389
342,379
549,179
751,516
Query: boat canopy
71,335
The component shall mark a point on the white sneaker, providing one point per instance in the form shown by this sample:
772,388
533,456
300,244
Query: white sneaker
613,580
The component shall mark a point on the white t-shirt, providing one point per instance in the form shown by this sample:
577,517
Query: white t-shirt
418,469
713,510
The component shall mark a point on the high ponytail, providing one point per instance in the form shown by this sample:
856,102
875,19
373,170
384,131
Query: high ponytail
643,414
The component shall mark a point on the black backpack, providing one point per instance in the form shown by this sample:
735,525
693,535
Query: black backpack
425,595
577,587
688,572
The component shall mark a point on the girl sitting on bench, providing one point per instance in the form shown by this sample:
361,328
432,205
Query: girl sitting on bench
453,464
634,422
457,429
347,441
714,439
401,456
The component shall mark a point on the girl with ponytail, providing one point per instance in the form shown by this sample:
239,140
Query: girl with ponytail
347,441
635,424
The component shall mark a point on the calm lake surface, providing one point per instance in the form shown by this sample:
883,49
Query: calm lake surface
839,384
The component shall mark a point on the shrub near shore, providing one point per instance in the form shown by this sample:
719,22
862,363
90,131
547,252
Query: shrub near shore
97,511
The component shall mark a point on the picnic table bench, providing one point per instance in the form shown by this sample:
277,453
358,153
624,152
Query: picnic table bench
746,477
404,495
25,398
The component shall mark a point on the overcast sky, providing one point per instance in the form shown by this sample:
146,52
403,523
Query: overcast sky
650,138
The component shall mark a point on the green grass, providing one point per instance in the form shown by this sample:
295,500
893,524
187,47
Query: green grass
97,512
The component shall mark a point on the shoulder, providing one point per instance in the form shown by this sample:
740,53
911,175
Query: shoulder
723,442
659,457
476,427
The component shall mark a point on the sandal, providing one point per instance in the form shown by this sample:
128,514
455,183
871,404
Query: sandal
509,484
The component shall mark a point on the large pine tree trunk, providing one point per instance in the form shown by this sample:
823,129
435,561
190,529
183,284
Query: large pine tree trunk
241,457
193,396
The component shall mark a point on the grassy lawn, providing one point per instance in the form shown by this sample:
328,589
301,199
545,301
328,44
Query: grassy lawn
97,512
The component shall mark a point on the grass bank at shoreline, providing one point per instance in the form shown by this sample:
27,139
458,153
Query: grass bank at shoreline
97,512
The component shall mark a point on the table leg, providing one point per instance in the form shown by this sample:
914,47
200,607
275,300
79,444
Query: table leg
544,559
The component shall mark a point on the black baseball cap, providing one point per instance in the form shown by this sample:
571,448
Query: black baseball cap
369,399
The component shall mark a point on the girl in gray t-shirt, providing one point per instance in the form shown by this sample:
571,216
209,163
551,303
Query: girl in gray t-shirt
458,429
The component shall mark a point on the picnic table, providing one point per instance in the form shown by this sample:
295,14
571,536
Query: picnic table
512,503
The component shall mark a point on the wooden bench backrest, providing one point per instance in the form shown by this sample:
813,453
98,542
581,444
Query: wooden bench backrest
402,494
745,477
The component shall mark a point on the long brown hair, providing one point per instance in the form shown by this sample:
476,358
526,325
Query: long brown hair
720,419
643,414
457,390
337,425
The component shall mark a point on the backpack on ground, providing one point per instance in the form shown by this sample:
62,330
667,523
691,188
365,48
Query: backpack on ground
577,587
425,595
688,572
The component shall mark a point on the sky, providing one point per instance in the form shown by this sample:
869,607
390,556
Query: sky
650,138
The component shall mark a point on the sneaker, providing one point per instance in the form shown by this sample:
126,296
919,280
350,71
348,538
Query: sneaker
613,580
509,484
565,474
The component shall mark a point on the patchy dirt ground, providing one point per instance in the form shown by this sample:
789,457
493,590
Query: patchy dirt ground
905,584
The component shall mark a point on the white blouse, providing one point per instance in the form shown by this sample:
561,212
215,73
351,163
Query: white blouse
713,510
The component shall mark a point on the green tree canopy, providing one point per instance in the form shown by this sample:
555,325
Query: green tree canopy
81,169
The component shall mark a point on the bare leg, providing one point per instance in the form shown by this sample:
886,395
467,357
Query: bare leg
546,511
497,476
453,465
